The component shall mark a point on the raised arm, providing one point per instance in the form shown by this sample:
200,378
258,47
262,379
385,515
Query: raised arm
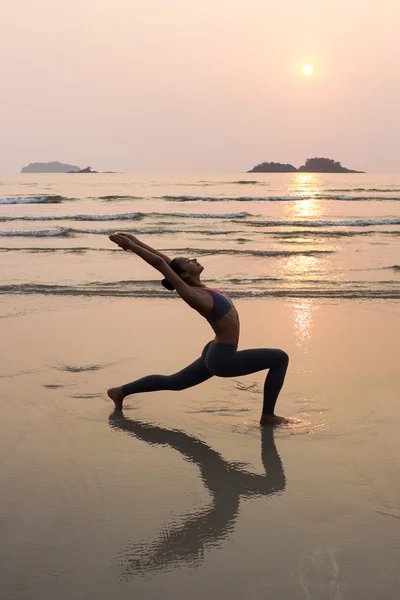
136,241
126,243
185,291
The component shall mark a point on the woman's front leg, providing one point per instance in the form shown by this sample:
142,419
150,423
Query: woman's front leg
225,362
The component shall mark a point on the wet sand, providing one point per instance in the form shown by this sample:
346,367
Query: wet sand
184,495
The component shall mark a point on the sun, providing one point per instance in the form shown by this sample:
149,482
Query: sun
307,69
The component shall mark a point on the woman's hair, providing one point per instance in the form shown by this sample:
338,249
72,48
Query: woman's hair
175,266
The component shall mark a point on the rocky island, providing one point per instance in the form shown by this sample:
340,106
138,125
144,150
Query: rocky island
312,165
50,167
273,167
56,167
87,170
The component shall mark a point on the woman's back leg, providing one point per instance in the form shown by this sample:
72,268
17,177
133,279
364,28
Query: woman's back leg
192,375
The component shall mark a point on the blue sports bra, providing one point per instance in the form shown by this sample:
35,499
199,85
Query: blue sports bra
221,305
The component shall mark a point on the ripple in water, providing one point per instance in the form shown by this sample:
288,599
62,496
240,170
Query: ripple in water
302,425
80,369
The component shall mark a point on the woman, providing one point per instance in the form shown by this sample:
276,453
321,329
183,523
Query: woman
220,357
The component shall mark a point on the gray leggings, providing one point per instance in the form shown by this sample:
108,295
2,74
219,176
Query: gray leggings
222,360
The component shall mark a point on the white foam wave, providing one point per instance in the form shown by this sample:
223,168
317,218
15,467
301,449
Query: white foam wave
153,290
228,199
123,217
33,200
37,233
325,223
239,215
292,198
127,216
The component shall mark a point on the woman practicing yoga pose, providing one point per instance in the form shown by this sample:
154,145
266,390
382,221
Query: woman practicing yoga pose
220,357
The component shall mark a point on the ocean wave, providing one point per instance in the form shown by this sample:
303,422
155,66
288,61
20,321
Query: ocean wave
240,215
145,231
214,232
362,189
235,252
314,232
127,217
120,197
362,291
185,198
52,199
70,231
246,280
44,250
122,217
246,182
326,223
37,233
289,198
180,251
284,235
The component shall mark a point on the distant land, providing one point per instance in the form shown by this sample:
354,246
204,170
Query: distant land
312,165
56,167
50,167
87,170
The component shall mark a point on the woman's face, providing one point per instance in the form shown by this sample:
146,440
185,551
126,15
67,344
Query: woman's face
190,266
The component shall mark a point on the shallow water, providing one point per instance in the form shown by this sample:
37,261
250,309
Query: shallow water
184,495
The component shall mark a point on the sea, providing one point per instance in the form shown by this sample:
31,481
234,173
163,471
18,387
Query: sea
258,235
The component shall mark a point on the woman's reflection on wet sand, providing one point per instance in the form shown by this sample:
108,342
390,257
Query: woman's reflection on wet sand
184,543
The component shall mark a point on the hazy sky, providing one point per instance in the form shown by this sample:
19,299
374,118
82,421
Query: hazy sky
199,85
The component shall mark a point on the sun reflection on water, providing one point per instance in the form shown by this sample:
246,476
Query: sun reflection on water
299,268
304,311
307,187
307,183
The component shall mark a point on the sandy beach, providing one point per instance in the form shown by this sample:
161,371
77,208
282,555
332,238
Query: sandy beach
184,494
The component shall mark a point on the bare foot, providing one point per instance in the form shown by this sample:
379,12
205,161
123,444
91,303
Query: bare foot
273,420
117,396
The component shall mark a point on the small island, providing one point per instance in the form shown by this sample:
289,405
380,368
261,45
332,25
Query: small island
50,167
87,170
273,167
56,167
324,165
312,165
